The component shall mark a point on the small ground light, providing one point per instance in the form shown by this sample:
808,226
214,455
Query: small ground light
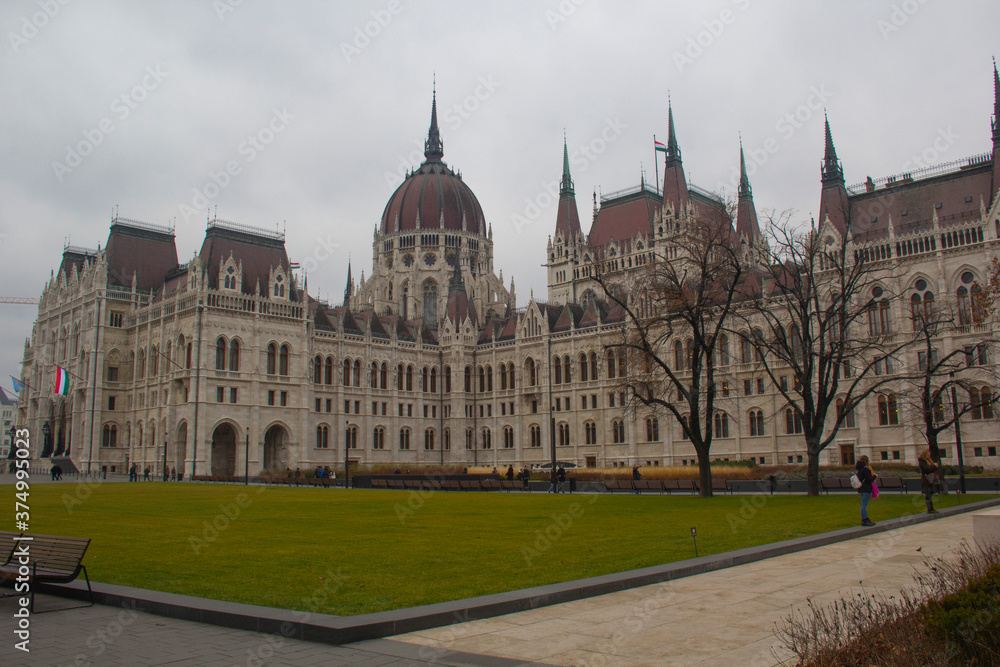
694,538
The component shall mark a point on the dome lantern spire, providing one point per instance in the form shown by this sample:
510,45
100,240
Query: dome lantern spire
434,147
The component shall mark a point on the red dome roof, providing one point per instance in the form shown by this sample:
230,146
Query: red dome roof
433,198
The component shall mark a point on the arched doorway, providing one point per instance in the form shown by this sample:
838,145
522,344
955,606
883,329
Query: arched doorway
224,450
276,449
180,448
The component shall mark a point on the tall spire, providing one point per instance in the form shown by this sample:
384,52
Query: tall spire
832,169
434,147
568,216
673,150
834,203
996,104
744,181
566,184
349,288
675,190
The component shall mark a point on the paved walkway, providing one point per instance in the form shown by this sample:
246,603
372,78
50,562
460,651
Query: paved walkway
720,618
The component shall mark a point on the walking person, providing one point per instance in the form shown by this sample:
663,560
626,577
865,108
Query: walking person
561,475
525,476
636,476
867,478
553,487
145,474
510,473
930,478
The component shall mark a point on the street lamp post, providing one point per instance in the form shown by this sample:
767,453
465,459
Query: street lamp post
958,436
347,461
246,460
46,432
166,473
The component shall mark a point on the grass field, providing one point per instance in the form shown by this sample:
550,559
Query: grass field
353,552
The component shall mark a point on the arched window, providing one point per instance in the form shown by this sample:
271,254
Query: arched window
756,422
796,343
351,437
373,376
110,436
536,435
430,304
921,305
322,436
429,439
510,375
470,439
234,355
532,372
617,431
328,371
318,370
434,379
424,379
723,357
220,354
622,370
378,438
558,370
447,379
688,354
357,373
652,429
409,378
746,350
981,399
888,414
487,439
482,380
611,364
187,363
489,378
508,437
272,358
563,434
383,376
593,366
678,355
404,438
154,361
590,433
584,369
721,425
878,314
446,439
399,377
346,375
468,379
793,421
283,360
846,419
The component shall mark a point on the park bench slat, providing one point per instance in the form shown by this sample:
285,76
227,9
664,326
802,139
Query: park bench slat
52,559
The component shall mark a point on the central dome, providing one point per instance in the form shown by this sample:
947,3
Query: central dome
433,197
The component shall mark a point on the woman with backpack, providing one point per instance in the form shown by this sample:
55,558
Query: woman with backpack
867,478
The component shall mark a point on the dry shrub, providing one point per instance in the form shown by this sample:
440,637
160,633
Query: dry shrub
876,630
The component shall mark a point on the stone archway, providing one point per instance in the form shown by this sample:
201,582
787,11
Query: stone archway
276,449
180,447
224,450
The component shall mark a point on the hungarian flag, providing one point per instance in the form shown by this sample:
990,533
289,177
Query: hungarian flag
293,265
659,145
62,381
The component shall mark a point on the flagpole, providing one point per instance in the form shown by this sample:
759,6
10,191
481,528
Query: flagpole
656,163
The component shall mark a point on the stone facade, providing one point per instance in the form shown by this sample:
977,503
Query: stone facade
226,364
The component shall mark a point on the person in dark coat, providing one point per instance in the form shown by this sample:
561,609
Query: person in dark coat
867,478
561,475
930,478
525,477
636,476
510,473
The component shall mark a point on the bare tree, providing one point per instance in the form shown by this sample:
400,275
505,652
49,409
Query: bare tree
676,309
822,325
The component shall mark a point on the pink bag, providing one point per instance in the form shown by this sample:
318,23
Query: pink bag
874,490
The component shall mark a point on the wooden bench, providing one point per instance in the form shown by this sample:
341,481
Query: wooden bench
835,483
891,484
671,485
466,485
491,485
509,485
450,485
618,485
51,559
641,485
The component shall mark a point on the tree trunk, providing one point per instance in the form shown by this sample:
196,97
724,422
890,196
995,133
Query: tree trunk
812,473
704,476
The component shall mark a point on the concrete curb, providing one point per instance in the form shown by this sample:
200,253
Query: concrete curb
331,629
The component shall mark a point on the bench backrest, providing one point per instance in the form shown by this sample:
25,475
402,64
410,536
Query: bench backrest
57,555
890,482
7,545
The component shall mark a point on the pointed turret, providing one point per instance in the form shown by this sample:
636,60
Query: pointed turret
434,147
675,190
459,306
349,288
746,213
833,203
567,217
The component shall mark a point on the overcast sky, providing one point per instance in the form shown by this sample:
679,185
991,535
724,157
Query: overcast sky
317,109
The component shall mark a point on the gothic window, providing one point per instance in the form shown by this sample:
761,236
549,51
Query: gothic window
652,429
793,421
234,355
721,425
272,358
357,373
590,433
220,354
756,422
430,304
283,360
536,435
318,370
618,431
593,366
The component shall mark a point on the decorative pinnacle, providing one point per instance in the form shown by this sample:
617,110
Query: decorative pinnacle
566,184
673,150
744,181
434,147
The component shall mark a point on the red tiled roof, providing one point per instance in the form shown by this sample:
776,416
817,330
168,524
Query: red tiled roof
147,254
623,219
258,255
430,193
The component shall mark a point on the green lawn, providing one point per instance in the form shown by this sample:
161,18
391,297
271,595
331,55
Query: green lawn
353,552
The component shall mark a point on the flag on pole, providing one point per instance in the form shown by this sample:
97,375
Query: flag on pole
660,146
294,265
18,385
62,381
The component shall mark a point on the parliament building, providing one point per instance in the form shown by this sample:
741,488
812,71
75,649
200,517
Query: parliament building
225,363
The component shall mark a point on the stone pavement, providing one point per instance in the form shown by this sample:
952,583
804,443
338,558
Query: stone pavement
101,635
724,618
